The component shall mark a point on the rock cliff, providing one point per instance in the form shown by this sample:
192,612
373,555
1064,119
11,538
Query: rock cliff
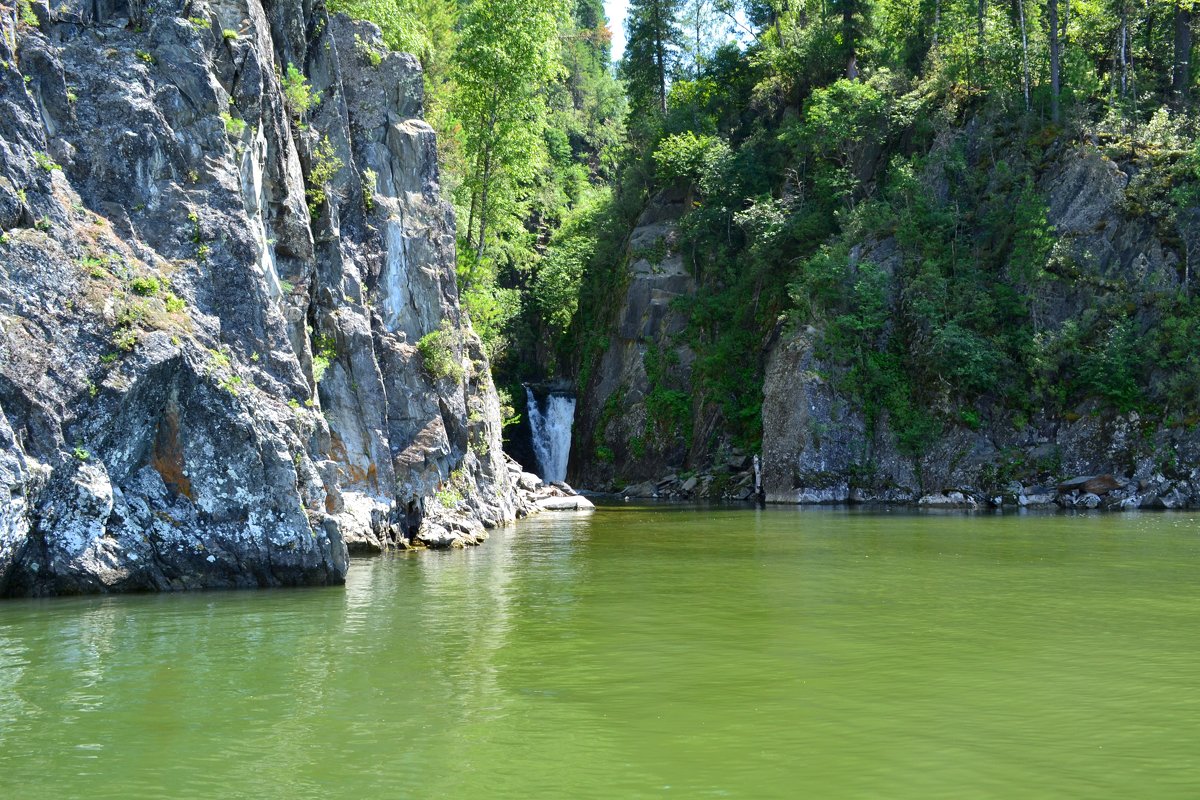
231,348
629,419
819,448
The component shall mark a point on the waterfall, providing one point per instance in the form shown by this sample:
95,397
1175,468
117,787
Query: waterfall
550,422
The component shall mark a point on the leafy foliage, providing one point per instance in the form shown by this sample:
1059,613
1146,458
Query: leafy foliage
439,353
296,91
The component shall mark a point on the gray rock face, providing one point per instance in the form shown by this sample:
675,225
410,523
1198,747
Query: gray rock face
817,447
204,383
646,339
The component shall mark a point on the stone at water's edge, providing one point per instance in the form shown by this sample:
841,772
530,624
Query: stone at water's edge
168,301
575,503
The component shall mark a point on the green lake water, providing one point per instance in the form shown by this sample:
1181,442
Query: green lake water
643,652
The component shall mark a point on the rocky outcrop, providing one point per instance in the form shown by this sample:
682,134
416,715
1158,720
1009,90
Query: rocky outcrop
216,275
629,422
736,478
818,447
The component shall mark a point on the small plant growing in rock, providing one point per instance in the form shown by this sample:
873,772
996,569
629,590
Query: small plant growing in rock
125,339
45,162
202,253
199,22
145,287
449,498
132,314
229,35
325,165
27,15
193,176
3,237
438,353
92,389
366,52
299,95
174,304
231,384
324,352
234,126
369,179
80,453
43,224
217,359
145,57
72,97
294,404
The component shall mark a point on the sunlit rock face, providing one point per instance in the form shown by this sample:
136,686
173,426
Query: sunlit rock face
204,382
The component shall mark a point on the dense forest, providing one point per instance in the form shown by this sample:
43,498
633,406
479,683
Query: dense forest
804,137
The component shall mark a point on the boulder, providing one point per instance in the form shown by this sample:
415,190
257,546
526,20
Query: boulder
1092,484
573,503
528,481
641,490
948,500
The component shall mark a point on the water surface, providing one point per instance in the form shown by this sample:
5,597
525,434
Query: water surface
662,652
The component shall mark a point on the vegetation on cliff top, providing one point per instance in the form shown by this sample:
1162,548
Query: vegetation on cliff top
875,169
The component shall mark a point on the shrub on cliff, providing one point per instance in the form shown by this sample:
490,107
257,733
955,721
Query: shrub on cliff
439,353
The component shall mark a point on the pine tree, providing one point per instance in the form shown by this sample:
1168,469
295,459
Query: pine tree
651,54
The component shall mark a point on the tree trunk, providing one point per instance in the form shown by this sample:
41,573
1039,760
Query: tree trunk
660,52
1181,74
470,237
1055,57
483,197
1024,53
981,12
471,217
848,39
1122,47
937,21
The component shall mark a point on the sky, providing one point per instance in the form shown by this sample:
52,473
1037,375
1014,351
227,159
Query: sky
616,10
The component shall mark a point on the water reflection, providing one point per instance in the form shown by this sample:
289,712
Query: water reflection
635,653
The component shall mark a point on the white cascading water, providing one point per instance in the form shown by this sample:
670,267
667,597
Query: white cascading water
551,427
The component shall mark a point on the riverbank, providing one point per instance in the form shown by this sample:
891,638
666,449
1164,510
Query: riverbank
1087,492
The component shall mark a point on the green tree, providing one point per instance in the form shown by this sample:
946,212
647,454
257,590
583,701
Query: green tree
651,54
507,55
